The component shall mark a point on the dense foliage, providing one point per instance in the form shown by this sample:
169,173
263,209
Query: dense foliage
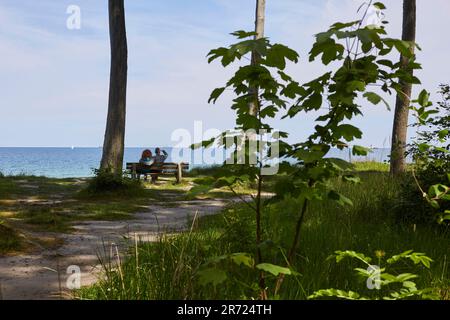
276,245
426,193
358,55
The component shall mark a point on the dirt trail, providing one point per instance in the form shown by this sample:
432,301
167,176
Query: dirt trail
34,276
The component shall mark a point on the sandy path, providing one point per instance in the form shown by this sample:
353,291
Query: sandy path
34,276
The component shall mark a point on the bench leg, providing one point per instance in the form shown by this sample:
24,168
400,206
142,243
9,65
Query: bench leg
179,173
133,172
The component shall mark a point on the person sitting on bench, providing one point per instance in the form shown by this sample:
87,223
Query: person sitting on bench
147,158
147,161
159,160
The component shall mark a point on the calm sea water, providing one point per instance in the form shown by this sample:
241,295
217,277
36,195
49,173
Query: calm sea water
80,162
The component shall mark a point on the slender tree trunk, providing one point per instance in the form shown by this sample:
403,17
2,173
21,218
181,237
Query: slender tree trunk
259,29
400,127
253,107
113,146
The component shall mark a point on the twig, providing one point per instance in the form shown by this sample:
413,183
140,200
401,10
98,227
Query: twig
424,194
241,198
293,248
180,263
120,267
137,261
359,26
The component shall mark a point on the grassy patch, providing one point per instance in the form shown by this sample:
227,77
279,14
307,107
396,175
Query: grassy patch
205,171
169,269
53,205
107,211
45,218
10,241
7,188
59,218
371,166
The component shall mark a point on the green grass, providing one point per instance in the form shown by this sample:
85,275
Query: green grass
7,188
205,171
60,217
9,240
169,269
54,205
371,166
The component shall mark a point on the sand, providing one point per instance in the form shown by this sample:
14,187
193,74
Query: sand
35,276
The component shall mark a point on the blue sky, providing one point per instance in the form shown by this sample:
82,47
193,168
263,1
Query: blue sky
55,81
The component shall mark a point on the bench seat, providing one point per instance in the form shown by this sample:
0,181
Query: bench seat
167,168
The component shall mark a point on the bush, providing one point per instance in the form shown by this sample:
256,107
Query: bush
431,155
106,183
411,208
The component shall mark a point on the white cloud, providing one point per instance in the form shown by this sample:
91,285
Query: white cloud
56,80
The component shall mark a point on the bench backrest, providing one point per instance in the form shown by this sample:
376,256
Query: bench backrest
166,166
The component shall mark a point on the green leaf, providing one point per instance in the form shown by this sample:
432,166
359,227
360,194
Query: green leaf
314,102
242,259
417,258
329,49
410,285
404,47
216,94
387,63
269,111
277,55
443,133
352,178
423,147
379,5
217,53
347,295
339,198
341,25
340,164
241,34
273,269
348,132
309,156
360,151
437,190
356,85
212,276
375,99
351,254
424,98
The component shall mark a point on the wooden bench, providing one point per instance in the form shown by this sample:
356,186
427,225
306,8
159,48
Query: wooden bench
137,169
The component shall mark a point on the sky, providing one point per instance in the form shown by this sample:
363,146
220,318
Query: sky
55,80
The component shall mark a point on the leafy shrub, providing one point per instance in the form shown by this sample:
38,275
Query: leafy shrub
387,286
431,155
106,183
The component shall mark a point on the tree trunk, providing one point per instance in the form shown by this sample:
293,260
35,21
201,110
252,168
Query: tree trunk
400,127
259,29
113,146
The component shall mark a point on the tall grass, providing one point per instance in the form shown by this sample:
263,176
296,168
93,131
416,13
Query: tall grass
169,268
10,241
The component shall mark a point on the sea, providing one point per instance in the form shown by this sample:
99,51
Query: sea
73,162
